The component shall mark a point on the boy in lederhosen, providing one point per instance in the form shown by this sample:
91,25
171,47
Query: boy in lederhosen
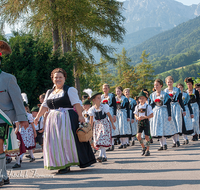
143,112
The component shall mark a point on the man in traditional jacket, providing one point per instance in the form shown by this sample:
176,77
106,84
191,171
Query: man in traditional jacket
11,105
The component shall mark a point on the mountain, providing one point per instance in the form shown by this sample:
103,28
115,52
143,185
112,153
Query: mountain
183,38
166,14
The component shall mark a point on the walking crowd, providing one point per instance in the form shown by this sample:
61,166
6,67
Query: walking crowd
115,119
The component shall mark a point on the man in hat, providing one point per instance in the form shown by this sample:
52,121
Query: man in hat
11,104
143,112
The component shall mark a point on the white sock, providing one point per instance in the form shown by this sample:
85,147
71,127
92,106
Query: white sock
112,141
31,153
122,141
21,156
177,137
133,138
127,140
164,141
185,137
161,142
174,139
18,160
100,152
104,151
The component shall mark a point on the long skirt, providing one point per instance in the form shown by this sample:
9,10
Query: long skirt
123,126
112,114
61,145
133,125
28,137
177,116
102,133
187,123
195,120
159,124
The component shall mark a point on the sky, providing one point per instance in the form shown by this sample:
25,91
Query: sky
185,2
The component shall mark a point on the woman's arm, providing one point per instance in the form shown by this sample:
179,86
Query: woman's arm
197,96
111,120
40,113
35,134
128,110
114,104
181,101
79,112
91,121
17,127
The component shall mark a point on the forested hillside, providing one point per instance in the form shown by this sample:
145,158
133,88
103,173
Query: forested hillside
181,39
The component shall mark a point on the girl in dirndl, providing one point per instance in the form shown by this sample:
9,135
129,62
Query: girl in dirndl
28,136
194,101
101,125
109,98
161,125
177,106
188,127
133,121
123,117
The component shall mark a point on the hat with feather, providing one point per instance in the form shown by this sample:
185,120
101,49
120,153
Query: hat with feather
91,93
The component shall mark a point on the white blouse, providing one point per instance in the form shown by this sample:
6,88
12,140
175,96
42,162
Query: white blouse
72,93
103,107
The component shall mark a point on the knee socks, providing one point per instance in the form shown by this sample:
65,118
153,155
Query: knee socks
185,137
112,141
18,160
102,152
163,141
31,153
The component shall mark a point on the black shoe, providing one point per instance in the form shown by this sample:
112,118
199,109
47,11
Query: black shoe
118,142
184,143
165,147
125,145
147,153
174,145
99,159
17,166
6,181
115,141
161,148
8,160
133,143
32,159
143,151
108,149
64,171
178,143
1,183
42,157
197,138
112,148
120,147
104,160
151,141
28,156
187,141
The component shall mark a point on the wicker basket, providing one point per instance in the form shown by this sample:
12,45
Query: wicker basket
84,133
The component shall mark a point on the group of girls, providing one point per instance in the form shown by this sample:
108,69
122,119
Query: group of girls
175,113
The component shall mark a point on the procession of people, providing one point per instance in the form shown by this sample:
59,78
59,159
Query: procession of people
114,119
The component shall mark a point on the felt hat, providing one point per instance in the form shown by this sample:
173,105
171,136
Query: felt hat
35,109
86,102
142,94
95,93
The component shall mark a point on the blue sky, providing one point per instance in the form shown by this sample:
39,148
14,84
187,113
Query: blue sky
185,2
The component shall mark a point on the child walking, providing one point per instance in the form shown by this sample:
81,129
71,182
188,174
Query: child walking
101,126
143,112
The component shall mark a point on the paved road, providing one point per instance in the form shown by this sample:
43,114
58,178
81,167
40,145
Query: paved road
177,169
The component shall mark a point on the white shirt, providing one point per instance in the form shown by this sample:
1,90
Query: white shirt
103,107
41,121
149,110
72,93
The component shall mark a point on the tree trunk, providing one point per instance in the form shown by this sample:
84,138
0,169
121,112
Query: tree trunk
55,30
66,42
76,80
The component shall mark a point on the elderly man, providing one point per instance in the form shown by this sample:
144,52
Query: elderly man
11,104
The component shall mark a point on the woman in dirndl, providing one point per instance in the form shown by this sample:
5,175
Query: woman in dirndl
177,106
195,104
161,125
133,121
109,98
62,148
123,117
101,125
187,127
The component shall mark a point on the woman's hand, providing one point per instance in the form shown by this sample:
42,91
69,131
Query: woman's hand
169,118
192,116
16,130
35,134
128,119
184,113
114,118
132,120
36,120
81,119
